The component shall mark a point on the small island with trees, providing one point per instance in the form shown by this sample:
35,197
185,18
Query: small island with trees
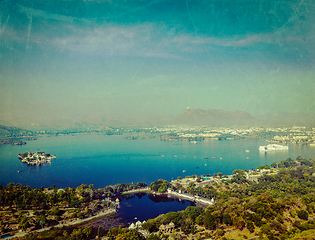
35,158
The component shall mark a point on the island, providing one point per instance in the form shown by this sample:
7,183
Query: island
35,158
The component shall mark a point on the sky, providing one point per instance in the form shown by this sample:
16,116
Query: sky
71,58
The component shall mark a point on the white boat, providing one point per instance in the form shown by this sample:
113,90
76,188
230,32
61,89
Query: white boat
247,151
273,147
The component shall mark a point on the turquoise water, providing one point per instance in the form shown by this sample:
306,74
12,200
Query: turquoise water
104,160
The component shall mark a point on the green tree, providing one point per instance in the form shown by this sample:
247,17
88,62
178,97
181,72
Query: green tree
163,188
24,223
210,221
99,232
239,172
153,236
55,211
274,164
129,235
87,232
302,214
250,226
227,219
41,219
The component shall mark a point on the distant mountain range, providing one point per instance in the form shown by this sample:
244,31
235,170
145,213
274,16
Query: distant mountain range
190,116
214,117
194,116
11,132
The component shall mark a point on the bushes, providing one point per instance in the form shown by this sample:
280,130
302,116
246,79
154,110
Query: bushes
227,219
302,214
250,226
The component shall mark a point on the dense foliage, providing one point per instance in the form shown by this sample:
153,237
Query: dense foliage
41,207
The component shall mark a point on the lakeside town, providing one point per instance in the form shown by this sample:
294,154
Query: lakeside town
301,135
281,135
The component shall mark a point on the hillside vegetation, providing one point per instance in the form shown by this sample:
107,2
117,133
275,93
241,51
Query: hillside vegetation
279,204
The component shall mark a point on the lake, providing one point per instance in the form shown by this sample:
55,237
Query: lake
104,160
139,207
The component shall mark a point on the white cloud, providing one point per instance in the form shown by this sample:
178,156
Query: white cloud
152,40
141,40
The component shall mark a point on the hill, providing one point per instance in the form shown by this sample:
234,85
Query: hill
13,132
216,117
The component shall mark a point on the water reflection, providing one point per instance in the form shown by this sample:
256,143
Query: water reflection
140,206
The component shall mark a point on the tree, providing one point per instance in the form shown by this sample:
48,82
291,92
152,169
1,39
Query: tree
302,214
99,232
41,219
227,219
220,174
55,211
141,184
239,222
250,226
266,166
163,188
129,235
153,236
87,232
274,164
24,224
239,172
210,222
265,228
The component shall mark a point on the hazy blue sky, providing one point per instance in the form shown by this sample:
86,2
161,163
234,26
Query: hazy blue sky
147,57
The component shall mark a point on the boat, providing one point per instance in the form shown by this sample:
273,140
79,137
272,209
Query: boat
213,157
162,155
175,156
220,158
205,164
273,147
184,170
247,151
206,158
